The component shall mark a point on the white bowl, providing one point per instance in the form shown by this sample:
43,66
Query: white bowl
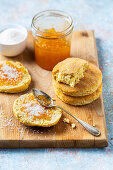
16,48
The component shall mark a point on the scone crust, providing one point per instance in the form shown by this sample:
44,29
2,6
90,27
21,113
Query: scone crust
69,66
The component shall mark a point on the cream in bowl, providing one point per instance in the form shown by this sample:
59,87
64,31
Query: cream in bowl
13,39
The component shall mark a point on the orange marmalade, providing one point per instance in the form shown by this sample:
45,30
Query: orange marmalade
44,100
31,107
51,50
52,32
9,74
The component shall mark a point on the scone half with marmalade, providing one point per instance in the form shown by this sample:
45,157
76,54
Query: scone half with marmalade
87,85
70,71
29,112
79,100
14,77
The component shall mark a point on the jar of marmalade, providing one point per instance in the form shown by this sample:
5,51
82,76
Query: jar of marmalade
52,32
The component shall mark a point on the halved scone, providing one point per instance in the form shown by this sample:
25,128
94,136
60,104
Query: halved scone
29,112
70,71
14,77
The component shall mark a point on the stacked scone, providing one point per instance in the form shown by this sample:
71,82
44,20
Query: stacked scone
76,81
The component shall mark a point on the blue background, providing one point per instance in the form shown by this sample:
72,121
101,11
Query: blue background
87,14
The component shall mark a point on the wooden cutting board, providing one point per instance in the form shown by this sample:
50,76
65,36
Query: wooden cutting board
14,134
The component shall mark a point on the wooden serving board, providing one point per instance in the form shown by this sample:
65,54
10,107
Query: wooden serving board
14,134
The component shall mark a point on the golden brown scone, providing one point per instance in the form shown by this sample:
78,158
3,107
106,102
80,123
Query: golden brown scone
29,112
87,85
70,71
80,100
14,77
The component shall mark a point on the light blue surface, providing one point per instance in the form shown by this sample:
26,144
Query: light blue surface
88,14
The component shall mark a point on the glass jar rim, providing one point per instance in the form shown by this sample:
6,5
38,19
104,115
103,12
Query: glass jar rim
58,13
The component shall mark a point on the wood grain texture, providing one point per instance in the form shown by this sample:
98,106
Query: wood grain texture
14,134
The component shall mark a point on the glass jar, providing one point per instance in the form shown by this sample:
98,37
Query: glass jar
52,32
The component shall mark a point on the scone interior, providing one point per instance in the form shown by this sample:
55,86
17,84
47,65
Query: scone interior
29,112
14,77
70,71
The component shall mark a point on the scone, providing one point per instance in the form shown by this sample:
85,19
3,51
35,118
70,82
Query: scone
87,85
79,100
14,77
29,112
70,71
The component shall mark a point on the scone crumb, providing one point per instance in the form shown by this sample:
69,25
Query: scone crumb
66,120
93,125
89,119
73,125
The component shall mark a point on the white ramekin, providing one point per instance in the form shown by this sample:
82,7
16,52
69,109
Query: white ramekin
17,48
